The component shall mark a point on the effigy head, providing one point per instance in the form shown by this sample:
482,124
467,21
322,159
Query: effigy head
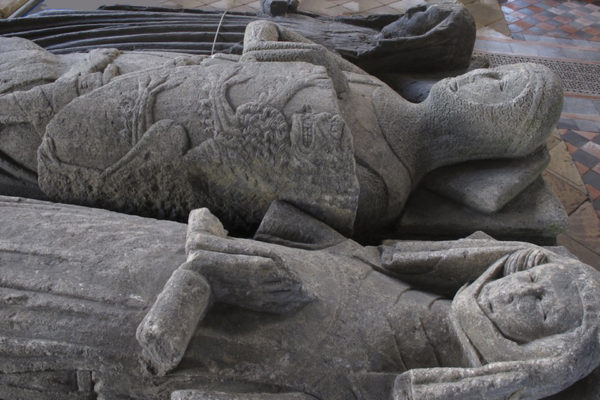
432,36
509,111
420,20
547,318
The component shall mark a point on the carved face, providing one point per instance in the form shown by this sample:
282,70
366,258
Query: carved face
509,110
533,304
485,86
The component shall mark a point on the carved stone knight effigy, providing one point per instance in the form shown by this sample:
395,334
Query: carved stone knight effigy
287,121
102,305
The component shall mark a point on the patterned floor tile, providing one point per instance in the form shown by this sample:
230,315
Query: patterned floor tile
575,139
594,193
580,167
569,196
592,178
571,19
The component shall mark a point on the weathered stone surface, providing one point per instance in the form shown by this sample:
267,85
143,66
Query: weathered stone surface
487,186
204,395
536,214
278,7
320,324
435,37
288,121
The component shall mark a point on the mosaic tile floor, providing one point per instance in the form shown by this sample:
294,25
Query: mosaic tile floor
584,147
565,19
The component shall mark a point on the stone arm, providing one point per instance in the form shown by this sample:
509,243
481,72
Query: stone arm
444,267
218,269
265,41
530,379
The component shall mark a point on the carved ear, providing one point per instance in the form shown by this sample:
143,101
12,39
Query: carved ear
287,225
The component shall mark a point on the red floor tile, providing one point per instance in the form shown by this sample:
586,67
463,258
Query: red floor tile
563,19
594,193
581,168
523,24
568,28
572,149
535,9
546,26
592,31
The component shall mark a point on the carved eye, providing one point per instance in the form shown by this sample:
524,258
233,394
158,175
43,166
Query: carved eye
453,86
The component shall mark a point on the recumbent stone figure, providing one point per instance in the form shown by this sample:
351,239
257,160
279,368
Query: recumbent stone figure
287,121
434,37
319,318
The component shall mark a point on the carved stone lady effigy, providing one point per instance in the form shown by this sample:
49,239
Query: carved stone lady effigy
100,305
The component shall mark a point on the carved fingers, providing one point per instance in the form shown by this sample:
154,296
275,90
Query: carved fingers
300,52
267,42
253,282
524,259
96,61
240,272
218,270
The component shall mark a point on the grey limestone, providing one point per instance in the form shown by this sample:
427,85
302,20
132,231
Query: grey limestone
160,134
418,320
432,37
487,186
535,214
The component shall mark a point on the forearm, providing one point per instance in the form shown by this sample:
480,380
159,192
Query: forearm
444,267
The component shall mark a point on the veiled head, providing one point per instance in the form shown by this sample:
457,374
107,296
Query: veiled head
549,311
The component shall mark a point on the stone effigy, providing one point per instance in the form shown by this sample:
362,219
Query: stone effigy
287,121
425,38
301,148
321,317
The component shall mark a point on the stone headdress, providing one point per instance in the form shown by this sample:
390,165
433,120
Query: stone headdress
504,369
